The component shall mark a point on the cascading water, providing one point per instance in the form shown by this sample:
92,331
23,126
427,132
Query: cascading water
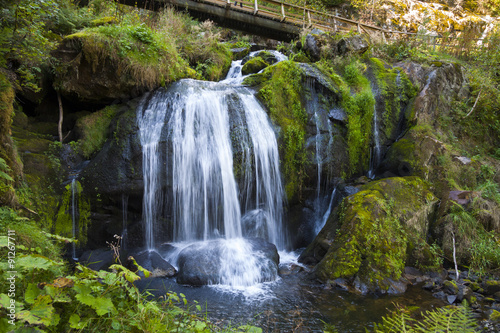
150,121
207,204
376,151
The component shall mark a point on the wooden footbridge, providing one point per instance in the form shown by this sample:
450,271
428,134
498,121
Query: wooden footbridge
269,18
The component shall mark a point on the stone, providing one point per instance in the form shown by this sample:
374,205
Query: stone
450,287
154,262
98,259
359,248
204,263
239,53
356,44
461,197
441,295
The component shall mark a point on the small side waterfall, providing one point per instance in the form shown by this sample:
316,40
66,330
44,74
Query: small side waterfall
376,150
326,215
150,120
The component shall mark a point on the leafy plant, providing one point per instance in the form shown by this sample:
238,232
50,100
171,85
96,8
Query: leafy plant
451,319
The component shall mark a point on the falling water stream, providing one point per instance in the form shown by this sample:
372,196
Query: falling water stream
214,148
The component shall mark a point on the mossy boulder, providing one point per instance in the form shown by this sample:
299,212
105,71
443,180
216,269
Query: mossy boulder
117,166
116,62
254,65
376,227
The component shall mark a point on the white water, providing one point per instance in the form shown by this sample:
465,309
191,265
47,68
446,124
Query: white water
207,203
325,216
375,158
150,120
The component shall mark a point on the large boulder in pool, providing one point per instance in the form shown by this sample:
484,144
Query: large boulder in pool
237,262
377,232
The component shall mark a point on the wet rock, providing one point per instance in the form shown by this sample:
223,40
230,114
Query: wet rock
338,115
97,259
450,287
356,44
154,262
464,292
217,261
239,53
451,299
441,295
253,65
355,253
413,275
491,287
461,197
340,283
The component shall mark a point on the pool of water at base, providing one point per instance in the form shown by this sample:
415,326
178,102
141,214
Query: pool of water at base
292,305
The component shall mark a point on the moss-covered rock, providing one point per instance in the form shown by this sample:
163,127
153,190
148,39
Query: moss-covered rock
93,130
11,167
110,62
254,65
376,227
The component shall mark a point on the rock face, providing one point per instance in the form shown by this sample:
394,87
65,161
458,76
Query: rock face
416,152
369,236
82,81
234,261
318,44
117,168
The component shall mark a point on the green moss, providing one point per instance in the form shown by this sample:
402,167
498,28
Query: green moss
375,229
103,20
282,96
93,130
254,65
396,90
63,224
359,104
136,51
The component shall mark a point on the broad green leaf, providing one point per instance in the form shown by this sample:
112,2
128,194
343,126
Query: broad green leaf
101,305
200,326
32,261
4,300
75,322
42,312
126,273
115,324
31,293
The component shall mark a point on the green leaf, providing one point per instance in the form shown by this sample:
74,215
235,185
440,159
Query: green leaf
101,305
32,261
126,273
250,329
42,312
200,326
115,324
4,300
31,293
75,322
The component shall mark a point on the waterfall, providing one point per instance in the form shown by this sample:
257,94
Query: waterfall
375,158
205,191
326,215
319,166
150,120
211,197
73,216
